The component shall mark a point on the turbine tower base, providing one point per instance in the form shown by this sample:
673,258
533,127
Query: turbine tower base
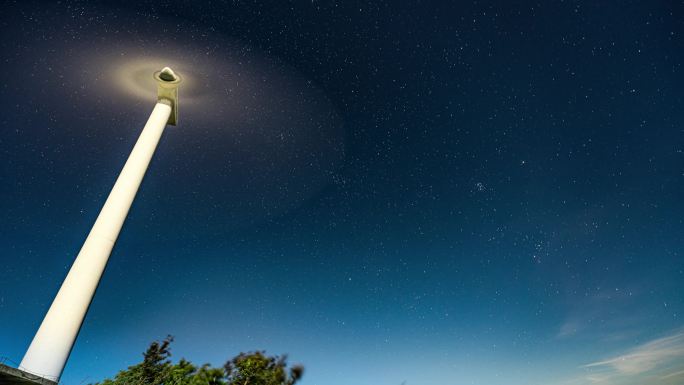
12,376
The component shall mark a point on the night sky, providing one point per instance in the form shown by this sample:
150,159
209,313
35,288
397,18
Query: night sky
419,193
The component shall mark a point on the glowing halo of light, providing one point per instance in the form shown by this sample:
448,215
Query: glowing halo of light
241,111
132,77
255,138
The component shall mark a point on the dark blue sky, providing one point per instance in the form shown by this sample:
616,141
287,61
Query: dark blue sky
429,193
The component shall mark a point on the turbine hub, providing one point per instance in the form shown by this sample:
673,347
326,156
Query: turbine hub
167,75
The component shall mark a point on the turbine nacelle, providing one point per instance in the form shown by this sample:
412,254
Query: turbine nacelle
167,91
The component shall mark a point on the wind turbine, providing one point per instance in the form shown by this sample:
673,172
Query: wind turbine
48,353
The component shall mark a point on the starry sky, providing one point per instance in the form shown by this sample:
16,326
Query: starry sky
419,193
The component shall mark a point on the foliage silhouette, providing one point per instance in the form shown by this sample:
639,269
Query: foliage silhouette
254,368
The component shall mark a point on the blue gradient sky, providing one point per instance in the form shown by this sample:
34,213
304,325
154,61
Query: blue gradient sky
425,194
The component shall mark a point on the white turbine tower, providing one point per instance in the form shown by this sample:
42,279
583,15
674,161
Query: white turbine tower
52,344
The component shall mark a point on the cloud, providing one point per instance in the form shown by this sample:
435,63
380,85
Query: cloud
646,357
656,362
609,315
568,328
673,375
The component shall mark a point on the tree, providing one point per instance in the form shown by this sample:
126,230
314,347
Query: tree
254,368
156,362
258,369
